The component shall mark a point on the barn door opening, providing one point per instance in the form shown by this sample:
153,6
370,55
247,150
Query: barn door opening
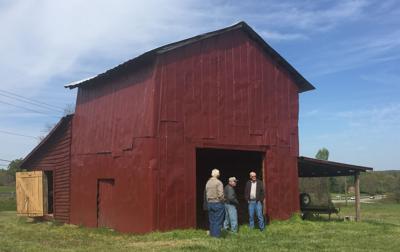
230,163
50,191
105,206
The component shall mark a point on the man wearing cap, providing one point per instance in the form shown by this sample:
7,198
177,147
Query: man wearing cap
254,194
231,203
215,199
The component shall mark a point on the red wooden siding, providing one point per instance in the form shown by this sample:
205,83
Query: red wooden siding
142,130
224,91
54,155
114,139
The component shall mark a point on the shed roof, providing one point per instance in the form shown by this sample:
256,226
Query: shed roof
63,121
149,56
310,167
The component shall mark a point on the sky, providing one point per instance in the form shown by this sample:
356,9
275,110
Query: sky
349,50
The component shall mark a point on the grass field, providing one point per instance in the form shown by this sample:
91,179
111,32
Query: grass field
7,189
379,231
7,198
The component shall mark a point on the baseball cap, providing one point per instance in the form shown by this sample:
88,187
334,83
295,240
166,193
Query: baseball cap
233,179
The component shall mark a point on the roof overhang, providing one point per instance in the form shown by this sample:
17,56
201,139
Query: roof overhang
310,167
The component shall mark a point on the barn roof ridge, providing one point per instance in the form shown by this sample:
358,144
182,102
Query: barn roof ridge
149,56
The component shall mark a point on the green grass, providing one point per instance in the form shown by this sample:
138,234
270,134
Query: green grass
7,198
7,204
7,189
379,231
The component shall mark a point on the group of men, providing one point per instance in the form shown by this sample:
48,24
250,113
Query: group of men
222,203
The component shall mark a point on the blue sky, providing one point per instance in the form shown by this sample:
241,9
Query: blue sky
349,50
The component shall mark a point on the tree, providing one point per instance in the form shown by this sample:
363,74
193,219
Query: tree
68,110
322,154
396,193
14,167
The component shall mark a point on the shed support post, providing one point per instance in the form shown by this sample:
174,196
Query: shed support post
357,188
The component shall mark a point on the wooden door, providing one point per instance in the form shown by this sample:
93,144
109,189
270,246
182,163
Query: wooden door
31,191
105,206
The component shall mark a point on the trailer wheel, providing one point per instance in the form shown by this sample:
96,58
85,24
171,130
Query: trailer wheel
305,199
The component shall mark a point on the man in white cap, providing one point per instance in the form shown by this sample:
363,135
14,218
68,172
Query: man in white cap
231,203
215,202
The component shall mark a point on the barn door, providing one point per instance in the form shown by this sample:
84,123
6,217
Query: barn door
105,206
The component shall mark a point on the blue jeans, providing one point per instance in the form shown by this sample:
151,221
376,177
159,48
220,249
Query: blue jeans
231,217
256,206
216,214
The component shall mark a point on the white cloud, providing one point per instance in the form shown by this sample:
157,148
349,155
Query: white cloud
376,119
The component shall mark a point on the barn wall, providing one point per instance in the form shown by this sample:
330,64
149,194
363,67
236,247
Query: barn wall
113,139
224,91
55,156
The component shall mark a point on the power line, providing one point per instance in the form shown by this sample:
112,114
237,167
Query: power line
5,160
30,99
32,103
22,107
16,134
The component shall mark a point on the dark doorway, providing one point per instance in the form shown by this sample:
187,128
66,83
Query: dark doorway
230,163
50,192
105,205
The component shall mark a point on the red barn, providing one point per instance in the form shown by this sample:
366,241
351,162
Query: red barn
140,147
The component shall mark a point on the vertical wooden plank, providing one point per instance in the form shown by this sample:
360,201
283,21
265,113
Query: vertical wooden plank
357,188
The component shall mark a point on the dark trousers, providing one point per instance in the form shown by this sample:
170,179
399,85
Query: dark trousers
216,215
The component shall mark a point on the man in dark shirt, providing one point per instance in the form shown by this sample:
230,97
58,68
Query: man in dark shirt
254,194
231,204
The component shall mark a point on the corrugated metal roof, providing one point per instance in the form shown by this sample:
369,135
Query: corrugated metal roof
149,56
310,167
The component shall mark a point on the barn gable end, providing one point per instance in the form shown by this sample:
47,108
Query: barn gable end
224,92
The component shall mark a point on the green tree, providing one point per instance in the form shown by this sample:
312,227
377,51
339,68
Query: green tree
396,193
322,154
14,167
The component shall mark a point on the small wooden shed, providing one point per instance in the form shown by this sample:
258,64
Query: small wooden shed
146,134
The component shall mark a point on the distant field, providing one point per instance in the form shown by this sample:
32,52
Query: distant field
7,189
379,231
7,198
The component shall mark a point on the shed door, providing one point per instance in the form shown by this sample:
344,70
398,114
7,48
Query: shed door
105,206
31,190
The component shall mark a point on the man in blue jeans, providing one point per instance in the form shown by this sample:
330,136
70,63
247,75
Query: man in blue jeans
215,198
231,203
254,194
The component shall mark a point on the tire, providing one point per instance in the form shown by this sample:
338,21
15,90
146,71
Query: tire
305,199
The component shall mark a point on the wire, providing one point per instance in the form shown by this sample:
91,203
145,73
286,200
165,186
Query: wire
16,134
5,160
32,103
32,110
30,99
